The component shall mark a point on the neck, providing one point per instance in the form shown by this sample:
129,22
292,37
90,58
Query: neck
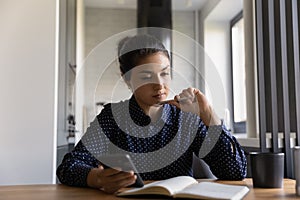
153,112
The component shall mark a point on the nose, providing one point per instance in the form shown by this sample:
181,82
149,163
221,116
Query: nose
158,86
158,81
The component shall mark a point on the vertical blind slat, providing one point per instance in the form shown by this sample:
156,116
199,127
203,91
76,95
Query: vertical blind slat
261,78
283,32
295,18
273,84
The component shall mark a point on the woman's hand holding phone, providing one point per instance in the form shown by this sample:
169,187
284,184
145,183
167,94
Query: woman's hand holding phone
110,180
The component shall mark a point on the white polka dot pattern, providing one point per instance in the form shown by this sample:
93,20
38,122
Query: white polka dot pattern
221,150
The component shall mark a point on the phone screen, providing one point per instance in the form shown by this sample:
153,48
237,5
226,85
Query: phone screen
124,162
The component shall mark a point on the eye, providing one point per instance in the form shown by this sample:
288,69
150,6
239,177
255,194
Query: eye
165,74
146,77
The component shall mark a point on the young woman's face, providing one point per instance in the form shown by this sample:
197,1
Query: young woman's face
150,79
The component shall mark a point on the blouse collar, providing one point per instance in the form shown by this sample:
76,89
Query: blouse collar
139,117
137,114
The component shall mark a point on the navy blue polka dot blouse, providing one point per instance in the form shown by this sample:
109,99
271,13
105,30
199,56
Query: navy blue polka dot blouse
160,149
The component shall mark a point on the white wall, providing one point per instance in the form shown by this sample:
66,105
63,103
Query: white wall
80,56
217,44
183,51
27,85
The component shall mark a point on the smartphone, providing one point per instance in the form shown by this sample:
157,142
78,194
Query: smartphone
124,162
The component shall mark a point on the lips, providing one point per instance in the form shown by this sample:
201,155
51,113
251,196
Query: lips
160,96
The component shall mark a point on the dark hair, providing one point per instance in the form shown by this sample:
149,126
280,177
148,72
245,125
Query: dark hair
132,49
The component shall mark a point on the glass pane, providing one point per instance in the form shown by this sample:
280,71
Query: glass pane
238,71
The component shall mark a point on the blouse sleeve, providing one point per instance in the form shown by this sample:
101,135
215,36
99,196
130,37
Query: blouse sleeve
75,166
225,156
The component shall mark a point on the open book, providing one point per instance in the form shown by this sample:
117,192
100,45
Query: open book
188,187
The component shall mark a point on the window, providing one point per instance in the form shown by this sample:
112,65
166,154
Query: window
238,74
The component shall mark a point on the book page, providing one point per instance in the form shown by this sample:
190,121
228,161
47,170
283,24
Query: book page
177,184
211,190
164,187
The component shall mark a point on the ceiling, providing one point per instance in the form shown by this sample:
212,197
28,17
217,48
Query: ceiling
225,10
132,4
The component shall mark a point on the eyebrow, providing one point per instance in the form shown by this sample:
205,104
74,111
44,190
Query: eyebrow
148,71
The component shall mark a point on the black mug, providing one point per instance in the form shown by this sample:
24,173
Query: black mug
267,169
297,168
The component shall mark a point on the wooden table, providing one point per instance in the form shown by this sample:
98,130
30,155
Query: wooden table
287,192
62,192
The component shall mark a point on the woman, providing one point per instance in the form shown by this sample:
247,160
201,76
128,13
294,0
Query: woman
146,126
